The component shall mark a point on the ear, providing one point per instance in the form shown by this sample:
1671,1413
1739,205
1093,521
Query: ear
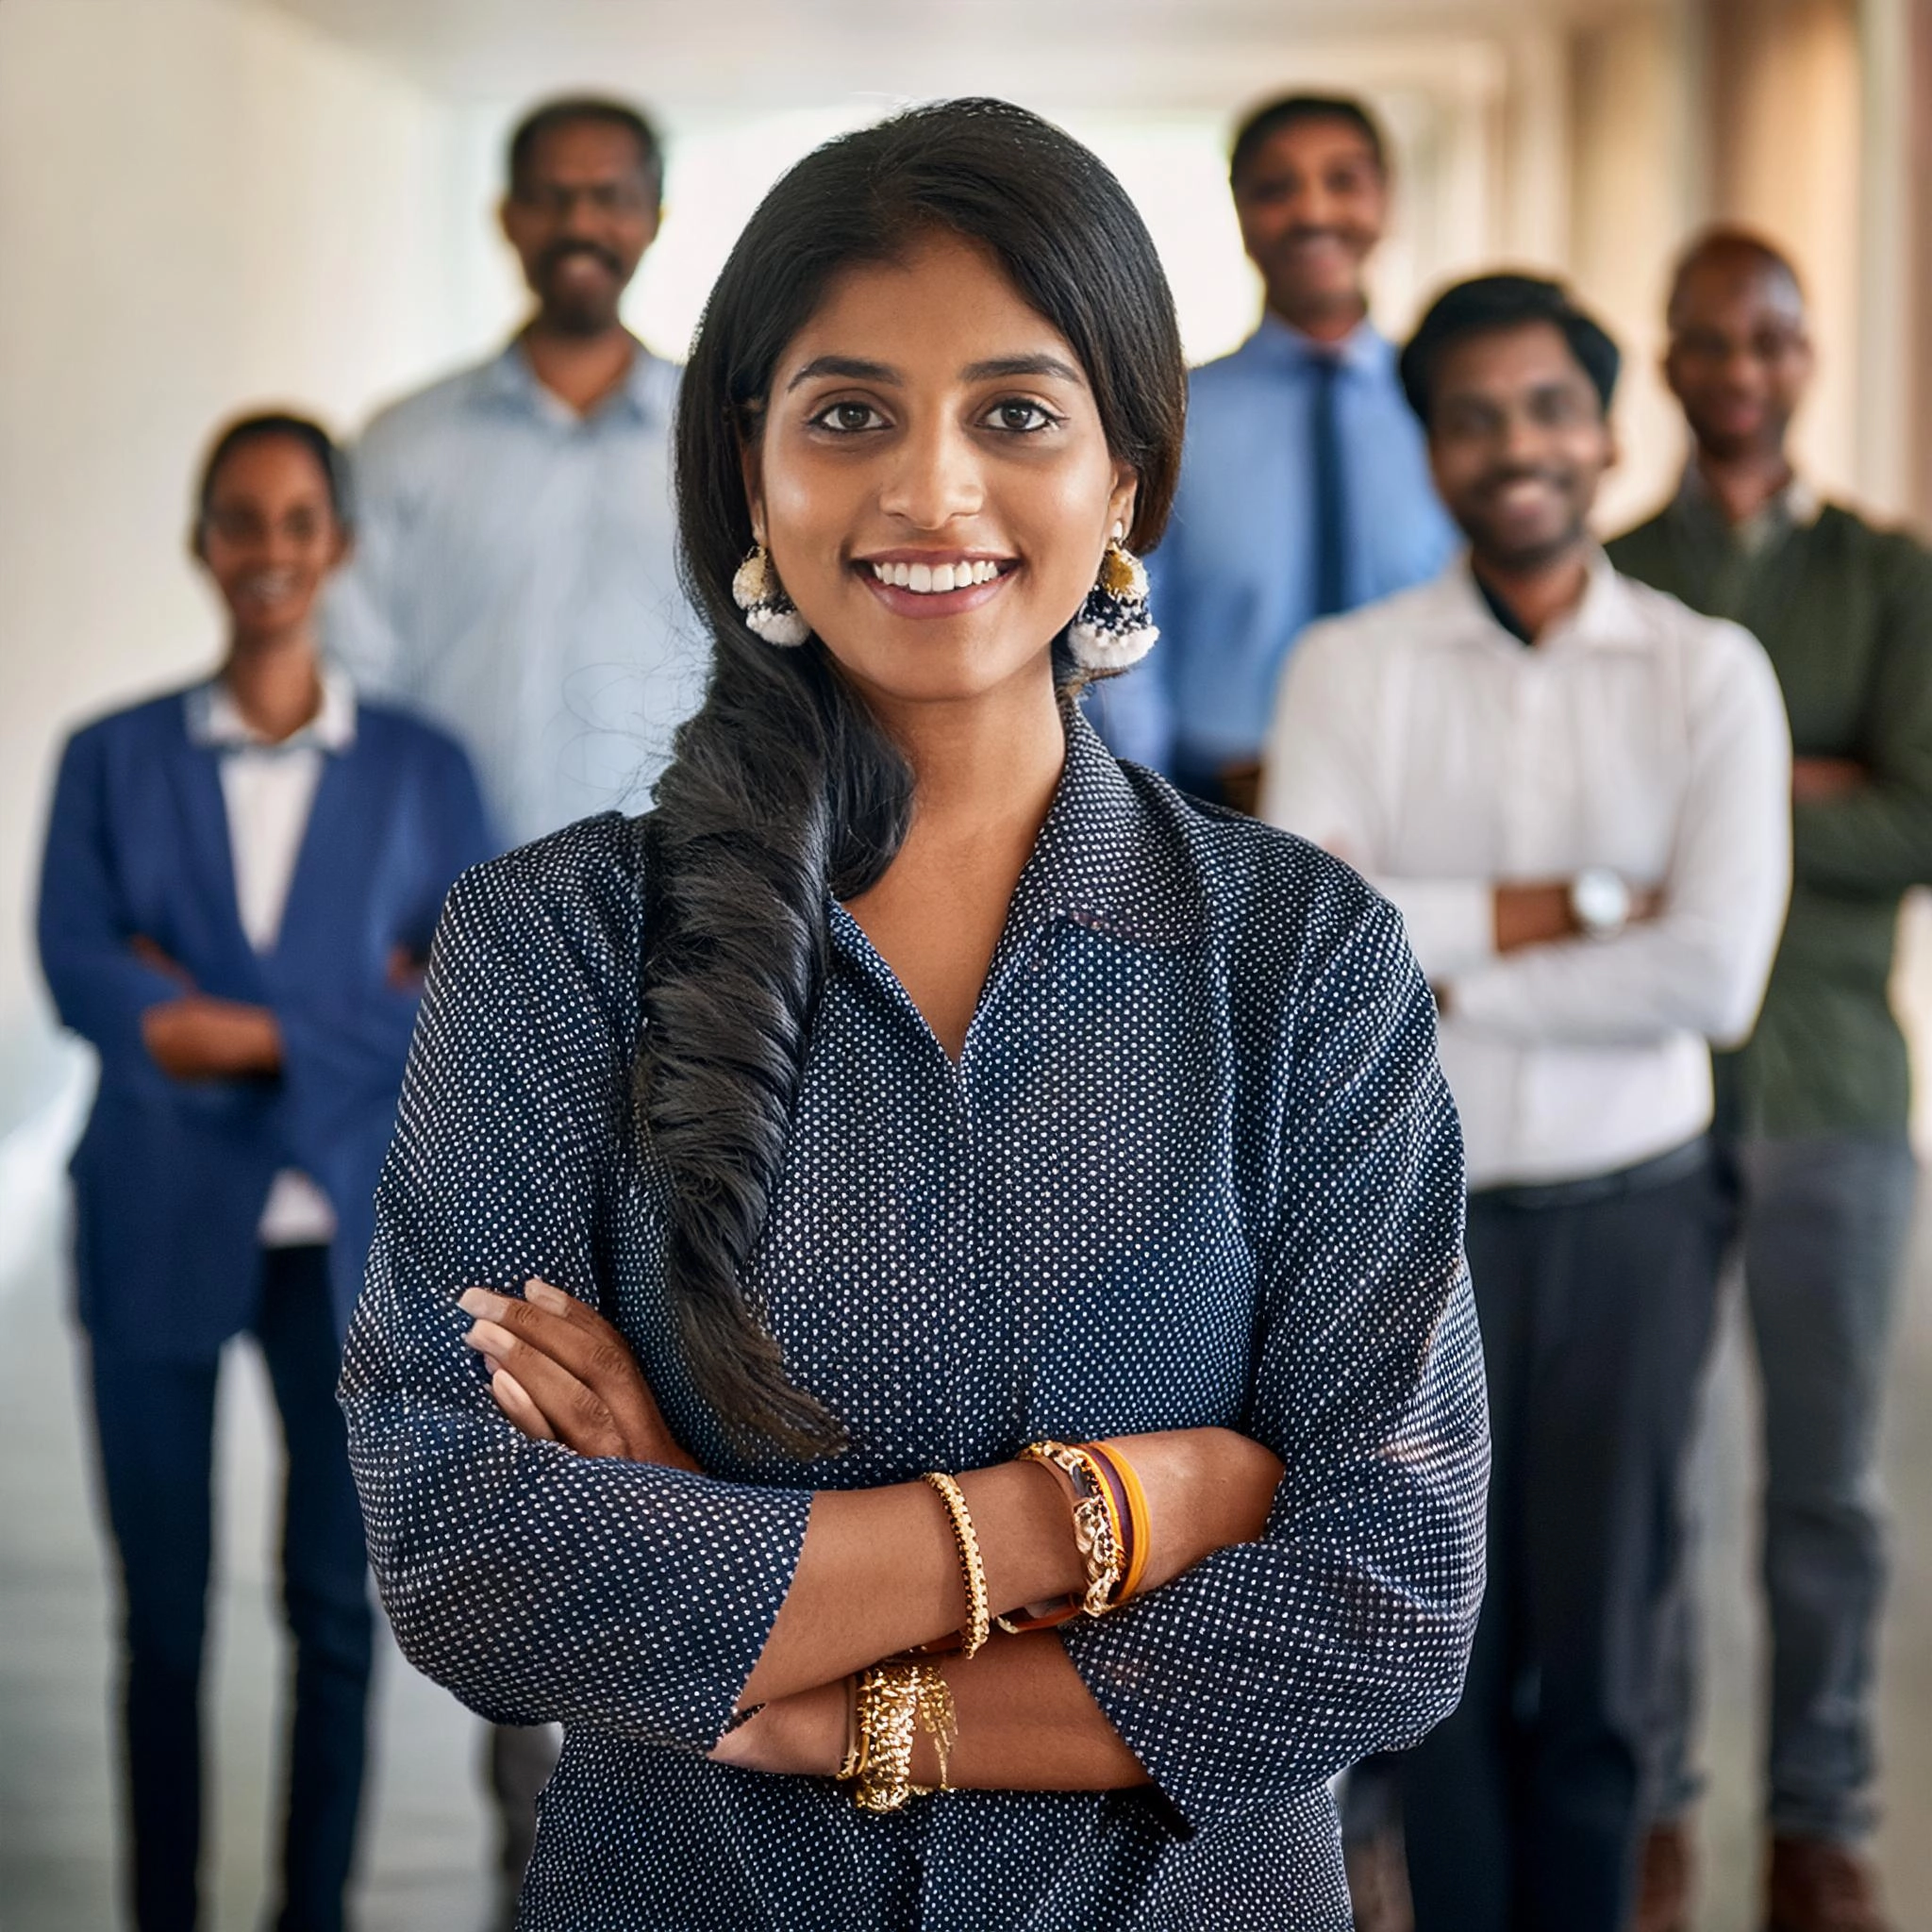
1125,495
503,226
342,549
197,542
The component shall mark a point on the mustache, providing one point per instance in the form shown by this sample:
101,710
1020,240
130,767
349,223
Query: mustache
559,252
1494,481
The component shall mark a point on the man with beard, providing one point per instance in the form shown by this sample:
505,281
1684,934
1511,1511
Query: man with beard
515,578
1572,787
1304,489
1812,1111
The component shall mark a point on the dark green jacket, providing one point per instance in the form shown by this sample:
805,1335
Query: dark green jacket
1845,612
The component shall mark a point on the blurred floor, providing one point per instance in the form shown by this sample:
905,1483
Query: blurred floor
424,1853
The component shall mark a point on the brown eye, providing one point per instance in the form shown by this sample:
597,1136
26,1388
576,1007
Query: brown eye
848,418
1020,417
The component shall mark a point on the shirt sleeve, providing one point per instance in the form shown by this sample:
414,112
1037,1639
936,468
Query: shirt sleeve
363,626
86,936
1319,782
533,1583
1264,1670
1701,964
1877,841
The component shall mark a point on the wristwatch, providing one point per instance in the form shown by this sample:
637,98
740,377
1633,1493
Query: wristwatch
1600,902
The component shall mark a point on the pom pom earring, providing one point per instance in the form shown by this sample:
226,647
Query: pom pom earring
1113,628
768,610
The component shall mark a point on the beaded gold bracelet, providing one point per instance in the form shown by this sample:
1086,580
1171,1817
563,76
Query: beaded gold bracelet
892,1704
971,1567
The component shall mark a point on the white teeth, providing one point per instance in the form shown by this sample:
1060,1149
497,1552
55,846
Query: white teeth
934,579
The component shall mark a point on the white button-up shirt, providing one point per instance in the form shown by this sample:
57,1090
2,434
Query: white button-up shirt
268,790
1422,742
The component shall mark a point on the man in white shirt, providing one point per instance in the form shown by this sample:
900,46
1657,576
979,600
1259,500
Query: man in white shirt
1575,790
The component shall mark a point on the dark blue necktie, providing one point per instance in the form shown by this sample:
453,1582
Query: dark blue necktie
1329,521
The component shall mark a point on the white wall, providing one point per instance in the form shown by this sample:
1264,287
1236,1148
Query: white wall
201,207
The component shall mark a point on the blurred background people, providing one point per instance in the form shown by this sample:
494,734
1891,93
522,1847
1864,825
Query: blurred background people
516,574
1813,1109
1304,489
1572,787
238,888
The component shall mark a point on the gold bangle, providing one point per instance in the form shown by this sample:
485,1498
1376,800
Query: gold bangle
893,1701
1097,1525
854,1751
972,1569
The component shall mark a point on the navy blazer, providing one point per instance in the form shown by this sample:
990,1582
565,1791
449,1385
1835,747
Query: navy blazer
170,1176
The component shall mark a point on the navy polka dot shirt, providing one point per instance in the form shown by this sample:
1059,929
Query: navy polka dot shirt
1196,1165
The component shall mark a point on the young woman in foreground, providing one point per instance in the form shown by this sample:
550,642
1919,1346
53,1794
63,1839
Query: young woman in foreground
912,1086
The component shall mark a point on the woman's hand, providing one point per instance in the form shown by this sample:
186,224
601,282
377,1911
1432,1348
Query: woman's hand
198,1037
802,1736
562,1373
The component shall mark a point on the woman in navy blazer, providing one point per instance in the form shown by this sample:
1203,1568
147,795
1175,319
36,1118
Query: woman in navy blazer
239,887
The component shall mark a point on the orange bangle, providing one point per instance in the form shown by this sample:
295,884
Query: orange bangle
1140,1517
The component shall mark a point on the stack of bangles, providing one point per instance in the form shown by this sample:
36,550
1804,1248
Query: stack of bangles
890,1703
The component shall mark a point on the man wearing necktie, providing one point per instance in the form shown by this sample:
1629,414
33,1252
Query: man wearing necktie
1305,489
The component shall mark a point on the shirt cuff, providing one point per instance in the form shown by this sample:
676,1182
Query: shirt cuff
1451,923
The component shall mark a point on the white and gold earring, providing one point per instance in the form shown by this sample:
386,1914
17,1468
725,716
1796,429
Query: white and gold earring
1113,627
768,610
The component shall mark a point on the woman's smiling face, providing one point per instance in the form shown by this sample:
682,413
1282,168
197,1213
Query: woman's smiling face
927,429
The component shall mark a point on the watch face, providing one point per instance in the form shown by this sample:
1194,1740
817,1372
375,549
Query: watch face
1602,900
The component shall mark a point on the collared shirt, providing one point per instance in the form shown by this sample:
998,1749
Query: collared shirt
268,790
1425,745
1233,583
515,581
1843,608
1194,1165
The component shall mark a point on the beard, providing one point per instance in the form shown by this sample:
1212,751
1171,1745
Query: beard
585,308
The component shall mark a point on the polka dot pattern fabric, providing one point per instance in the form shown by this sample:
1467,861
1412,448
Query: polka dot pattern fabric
1196,1165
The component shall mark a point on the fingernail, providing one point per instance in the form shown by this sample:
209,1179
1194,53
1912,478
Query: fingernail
545,1295
473,1301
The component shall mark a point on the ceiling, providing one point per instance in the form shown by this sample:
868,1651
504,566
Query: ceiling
723,55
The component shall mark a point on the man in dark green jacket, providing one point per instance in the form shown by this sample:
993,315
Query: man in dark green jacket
1814,1107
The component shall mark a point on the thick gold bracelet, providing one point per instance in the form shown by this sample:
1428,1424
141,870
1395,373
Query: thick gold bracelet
972,1568
1096,1531
893,1703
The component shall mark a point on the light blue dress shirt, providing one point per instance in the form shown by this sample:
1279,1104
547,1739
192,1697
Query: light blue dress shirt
1234,582
515,581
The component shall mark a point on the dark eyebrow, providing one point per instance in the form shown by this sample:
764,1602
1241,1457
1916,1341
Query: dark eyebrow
1003,366
852,369
849,367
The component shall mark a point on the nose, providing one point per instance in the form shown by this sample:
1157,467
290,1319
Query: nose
935,478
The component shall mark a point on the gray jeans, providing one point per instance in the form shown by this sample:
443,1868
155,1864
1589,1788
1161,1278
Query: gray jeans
1823,1227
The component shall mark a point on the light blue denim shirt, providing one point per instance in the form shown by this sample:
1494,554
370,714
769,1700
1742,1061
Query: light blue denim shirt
1233,584
515,582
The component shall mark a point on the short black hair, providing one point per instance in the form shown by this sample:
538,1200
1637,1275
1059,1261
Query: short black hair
1489,303
570,110
1264,123
265,426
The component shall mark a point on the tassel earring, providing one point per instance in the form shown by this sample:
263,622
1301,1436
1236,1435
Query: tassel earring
1112,628
757,593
